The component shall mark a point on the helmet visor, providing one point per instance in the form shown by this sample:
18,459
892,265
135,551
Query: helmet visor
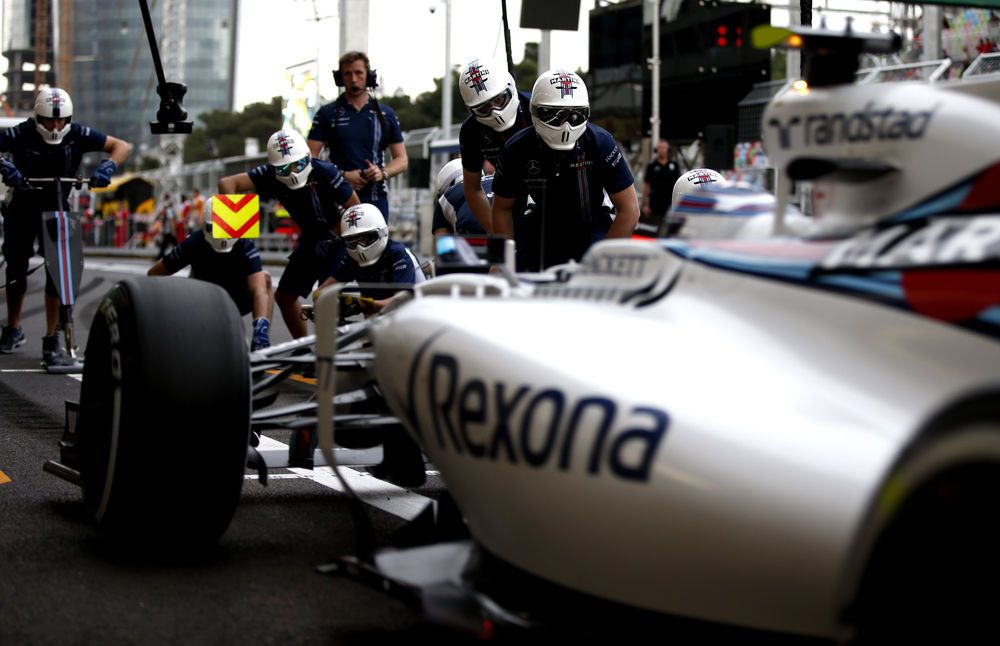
499,102
555,116
293,167
366,239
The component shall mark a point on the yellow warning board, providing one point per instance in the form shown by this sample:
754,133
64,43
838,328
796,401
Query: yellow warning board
236,216
3,478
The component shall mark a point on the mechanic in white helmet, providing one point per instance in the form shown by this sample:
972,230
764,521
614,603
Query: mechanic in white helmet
47,145
372,258
692,181
497,112
452,213
232,264
565,164
313,191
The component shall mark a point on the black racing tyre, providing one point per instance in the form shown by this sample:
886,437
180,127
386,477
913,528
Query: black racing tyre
164,414
931,576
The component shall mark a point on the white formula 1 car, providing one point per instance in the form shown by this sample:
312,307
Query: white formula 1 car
810,448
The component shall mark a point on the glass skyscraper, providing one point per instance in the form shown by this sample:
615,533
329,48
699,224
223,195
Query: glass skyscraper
114,81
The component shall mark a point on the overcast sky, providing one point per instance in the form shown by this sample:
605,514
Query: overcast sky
406,41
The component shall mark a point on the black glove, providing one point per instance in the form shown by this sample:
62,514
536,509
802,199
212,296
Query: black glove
11,176
102,176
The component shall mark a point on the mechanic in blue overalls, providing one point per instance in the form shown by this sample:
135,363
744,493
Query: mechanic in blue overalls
357,129
233,265
47,145
452,213
372,257
565,164
312,191
497,112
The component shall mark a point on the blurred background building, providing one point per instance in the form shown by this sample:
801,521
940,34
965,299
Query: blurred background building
97,50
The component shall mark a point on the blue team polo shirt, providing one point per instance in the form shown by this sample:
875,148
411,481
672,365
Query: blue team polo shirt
567,186
396,265
354,136
314,206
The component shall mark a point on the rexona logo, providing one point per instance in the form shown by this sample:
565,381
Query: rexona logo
535,427
869,124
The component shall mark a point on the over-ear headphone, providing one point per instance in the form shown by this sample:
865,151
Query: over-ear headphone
371,79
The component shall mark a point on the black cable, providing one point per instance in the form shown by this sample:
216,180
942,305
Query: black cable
506,39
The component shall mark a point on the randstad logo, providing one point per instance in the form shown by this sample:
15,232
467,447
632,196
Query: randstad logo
868,124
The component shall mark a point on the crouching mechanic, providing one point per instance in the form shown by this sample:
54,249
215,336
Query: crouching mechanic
233,265
565,164
47,145
312,191
371,257
452,213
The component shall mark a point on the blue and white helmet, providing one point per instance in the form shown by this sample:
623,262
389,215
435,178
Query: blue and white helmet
219,245
449,175
364,232
560,108
53,103
288,154
488,91
695,179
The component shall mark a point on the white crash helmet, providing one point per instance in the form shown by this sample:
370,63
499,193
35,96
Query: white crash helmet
220,245
489,93
560,108
695,180
363,230
449,175
53,103
288,153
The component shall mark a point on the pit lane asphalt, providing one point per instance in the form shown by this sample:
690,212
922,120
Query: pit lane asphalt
59,583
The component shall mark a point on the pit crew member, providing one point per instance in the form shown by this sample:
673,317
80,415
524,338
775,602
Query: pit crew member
49,144
452,213
565,164
497,112
372,258
312,191
233,265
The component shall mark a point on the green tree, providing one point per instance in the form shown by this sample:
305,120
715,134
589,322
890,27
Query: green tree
224,133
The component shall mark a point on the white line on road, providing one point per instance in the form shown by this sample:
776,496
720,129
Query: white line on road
78,377
377,493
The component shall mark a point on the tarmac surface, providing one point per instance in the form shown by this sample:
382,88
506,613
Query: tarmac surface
60,584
